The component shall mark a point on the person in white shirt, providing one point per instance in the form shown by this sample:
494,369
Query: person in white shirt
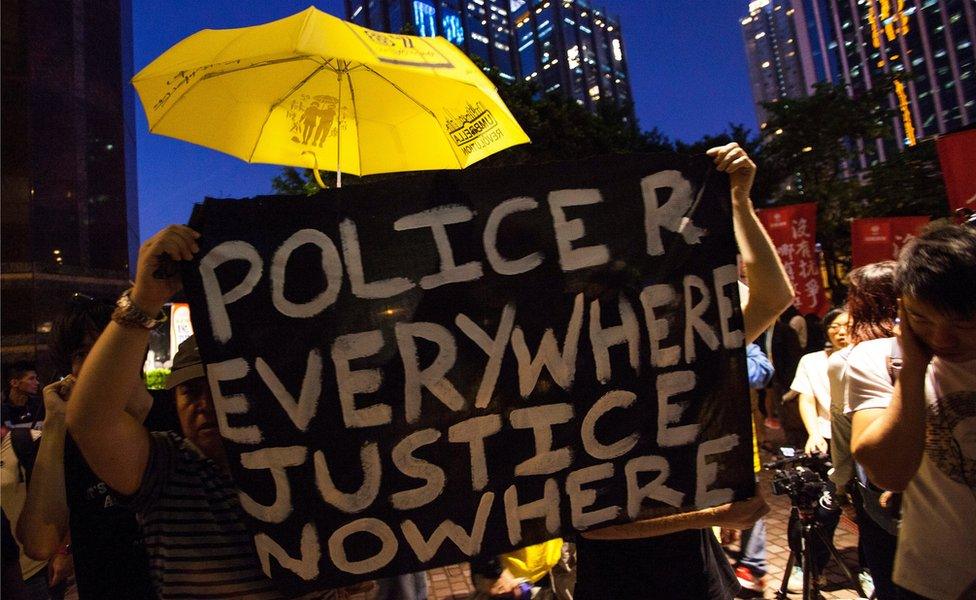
873,306
919,434
812,385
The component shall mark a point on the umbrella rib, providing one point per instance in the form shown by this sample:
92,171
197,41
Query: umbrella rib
417,102
355,118
152,128
275,105
264,63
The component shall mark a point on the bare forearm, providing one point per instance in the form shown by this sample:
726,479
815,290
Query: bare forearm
43,521
890,447
770,292
808,414
698,519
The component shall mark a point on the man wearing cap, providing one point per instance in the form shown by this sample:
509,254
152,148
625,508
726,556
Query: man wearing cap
179,485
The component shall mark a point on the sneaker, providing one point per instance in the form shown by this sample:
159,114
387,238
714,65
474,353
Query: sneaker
795,583
749,580
867,584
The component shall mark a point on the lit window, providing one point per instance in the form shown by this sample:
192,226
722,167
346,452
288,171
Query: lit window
618,53
572,57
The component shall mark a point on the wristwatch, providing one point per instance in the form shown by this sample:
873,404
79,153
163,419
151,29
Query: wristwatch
127,314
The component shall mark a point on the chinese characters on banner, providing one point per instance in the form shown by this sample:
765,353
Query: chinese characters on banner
793,231
873,240
956,152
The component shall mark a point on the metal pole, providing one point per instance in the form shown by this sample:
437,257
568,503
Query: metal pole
339,127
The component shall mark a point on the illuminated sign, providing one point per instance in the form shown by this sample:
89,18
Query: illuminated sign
425,19
452,27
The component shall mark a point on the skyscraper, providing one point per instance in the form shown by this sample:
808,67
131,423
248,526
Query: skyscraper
567,46
855,43
70,210
573,48
772,49
482,28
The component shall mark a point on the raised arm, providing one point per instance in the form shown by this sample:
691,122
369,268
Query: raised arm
770,292
43,522
113,442
889,442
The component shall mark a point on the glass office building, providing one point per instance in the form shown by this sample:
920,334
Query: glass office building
70,212
775,70
855,43
567,46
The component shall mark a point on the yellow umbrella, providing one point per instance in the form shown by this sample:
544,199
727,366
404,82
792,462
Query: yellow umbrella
311,90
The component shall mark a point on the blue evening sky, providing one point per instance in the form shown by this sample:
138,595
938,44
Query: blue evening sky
686,58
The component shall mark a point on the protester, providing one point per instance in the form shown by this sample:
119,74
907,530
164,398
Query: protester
179,485
872,304
917,433
22,407
813,387
65,496
676,556
751,569
16,462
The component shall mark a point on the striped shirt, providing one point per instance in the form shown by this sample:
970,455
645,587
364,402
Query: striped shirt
194,529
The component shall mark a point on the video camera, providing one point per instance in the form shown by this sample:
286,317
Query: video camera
803,477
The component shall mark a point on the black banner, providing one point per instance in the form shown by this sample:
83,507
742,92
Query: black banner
411,372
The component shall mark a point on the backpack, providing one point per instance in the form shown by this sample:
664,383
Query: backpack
886,518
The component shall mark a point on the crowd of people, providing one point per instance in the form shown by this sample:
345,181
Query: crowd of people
96,496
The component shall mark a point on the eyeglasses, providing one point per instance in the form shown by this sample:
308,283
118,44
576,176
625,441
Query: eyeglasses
836,326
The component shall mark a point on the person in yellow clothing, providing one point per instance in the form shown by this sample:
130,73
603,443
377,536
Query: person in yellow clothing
538,572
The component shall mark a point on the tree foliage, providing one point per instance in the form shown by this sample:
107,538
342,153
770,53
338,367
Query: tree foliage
813,146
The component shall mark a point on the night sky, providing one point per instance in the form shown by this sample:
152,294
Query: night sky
686,59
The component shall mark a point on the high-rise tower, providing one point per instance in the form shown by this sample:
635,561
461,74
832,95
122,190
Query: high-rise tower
70,212
856,43
567,46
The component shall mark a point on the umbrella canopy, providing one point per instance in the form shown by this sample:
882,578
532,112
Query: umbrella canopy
311,90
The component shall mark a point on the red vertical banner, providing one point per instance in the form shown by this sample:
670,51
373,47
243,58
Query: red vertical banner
873,240
957,156
793,230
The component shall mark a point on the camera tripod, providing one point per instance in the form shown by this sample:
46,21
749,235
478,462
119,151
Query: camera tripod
810,530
